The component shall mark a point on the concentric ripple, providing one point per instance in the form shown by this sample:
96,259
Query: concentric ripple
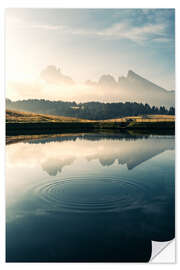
90,195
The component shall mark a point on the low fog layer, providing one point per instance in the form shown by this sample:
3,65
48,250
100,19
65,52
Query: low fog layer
52,84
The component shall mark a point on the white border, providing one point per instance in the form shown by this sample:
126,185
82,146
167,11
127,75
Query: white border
89,4
77,4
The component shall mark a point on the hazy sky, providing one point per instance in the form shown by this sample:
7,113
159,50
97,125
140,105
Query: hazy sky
85,44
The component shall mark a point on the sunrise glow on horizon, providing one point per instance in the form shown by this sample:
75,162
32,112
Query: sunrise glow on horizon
52,53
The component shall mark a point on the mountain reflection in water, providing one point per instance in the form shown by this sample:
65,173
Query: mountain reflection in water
89,198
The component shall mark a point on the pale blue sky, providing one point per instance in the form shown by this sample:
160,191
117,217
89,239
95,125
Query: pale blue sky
86,43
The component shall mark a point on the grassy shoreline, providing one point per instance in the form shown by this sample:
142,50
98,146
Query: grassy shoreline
23,123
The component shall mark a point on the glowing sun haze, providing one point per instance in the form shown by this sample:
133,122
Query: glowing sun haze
52,53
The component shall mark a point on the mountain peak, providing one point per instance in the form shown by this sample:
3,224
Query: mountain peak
107,79
135,78
132,75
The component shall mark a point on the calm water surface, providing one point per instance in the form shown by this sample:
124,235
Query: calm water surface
89,198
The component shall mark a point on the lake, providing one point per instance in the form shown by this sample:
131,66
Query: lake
89,197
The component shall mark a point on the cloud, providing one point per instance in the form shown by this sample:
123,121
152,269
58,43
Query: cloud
138,25
136,34
53,75
122,30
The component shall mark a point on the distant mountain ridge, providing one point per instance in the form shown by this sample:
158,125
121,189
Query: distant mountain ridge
136,88
135,77
133,95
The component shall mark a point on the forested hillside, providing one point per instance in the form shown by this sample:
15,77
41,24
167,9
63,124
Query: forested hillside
89,110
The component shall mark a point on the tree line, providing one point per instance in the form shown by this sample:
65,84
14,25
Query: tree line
88,110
